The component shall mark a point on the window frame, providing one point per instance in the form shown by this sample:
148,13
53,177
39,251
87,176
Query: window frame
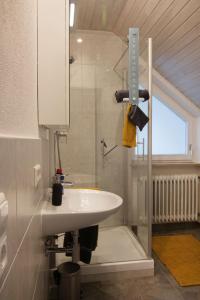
185,158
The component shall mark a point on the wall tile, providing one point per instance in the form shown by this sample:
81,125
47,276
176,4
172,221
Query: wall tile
94,113
11,288
76,75
45,163
88,76
8,187
28,154
76,49
25,244
21,281
41,290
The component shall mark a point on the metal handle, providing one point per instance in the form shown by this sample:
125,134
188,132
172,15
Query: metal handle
105,146
143,147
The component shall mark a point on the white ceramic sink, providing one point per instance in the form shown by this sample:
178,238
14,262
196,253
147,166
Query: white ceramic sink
80,208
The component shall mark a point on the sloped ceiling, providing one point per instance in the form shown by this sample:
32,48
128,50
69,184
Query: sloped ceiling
174,26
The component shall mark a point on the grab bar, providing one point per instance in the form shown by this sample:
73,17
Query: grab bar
143,147
105,146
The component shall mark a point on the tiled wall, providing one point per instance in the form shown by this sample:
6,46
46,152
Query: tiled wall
25,274
79,152
110,170
95,115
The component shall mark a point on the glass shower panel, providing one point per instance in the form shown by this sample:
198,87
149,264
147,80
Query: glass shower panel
141,162
99,68
110,166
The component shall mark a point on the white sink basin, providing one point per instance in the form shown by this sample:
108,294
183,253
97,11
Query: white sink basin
80,208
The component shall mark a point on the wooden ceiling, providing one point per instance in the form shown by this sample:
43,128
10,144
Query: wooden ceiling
174,26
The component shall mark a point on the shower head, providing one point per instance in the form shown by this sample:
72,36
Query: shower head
71,60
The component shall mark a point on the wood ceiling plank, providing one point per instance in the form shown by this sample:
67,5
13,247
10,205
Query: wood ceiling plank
185,46
115,13
185,70
188,18
129,21
142,14
102,14
154,17
192,84
123,16
147,10
193,94
185,57
164,19
184,78
85,12
186,36
188,84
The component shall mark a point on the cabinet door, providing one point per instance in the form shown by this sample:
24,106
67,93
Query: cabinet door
53,62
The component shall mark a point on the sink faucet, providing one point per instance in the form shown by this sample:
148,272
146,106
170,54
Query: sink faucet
60,178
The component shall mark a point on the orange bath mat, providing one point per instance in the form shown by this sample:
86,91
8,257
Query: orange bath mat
181,255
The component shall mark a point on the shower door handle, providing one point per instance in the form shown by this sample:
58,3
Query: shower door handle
143,145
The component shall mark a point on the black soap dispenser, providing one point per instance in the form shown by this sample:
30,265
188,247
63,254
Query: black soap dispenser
57,189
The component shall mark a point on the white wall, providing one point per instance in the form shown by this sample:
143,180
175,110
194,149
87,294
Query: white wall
21,149
18,68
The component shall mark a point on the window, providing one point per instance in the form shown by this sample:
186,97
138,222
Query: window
169,131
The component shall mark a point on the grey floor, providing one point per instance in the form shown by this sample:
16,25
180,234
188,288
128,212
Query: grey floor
160,287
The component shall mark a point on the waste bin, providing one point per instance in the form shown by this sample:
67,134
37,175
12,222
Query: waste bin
69,281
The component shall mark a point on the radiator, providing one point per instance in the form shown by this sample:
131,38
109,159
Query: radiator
175,198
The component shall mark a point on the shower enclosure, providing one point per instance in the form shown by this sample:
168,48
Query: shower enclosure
94,156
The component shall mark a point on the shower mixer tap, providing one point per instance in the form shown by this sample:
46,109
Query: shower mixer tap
104,143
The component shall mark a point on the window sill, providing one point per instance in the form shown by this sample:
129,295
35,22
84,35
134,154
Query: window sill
167,162
174,162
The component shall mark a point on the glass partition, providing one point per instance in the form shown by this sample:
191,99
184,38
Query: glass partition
97,158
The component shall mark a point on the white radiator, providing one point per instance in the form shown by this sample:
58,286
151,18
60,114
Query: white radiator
175,198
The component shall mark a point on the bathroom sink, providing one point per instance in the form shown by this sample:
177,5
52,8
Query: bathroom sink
80,208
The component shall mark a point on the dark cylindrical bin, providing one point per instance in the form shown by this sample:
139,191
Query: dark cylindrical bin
69,281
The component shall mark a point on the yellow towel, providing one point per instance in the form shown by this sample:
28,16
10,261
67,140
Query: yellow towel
129,131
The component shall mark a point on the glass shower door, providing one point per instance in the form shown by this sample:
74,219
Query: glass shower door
143,180
142,165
